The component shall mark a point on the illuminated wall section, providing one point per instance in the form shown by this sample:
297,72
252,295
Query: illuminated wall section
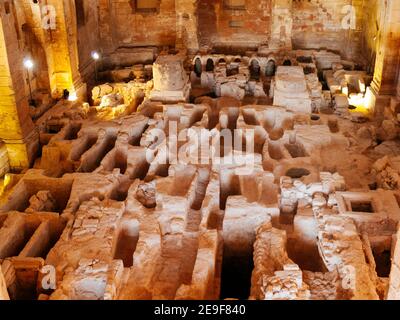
387,53
54,23
62,49
16,127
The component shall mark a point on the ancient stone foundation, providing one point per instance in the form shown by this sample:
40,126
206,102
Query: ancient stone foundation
200,150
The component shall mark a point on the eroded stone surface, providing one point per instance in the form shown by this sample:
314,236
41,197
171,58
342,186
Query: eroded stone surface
213,160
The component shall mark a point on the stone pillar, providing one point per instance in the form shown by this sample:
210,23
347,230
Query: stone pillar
387,58
62,50
281,25
17,130
59,42
186,24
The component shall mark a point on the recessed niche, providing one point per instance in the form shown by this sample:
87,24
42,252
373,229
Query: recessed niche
362,206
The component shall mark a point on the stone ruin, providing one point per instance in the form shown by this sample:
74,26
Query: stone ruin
195,161
262,175
119,215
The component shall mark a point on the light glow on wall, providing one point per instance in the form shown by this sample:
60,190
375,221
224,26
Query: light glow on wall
28,64
73,97
95,55
361,102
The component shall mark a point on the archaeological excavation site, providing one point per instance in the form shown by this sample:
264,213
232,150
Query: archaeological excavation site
223,150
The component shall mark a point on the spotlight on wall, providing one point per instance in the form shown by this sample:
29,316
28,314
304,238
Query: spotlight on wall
95,55
29,64
73,97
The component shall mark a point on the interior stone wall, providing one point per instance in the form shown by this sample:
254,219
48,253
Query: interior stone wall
319,24
371,27
385,45
121,27
316,24
220,25
88,37
16,127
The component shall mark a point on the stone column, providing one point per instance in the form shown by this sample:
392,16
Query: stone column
388,39
59,42
62,50
186,24
17,130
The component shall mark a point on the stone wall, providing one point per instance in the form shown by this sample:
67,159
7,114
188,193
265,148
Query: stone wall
88,37
323,24
51,42
371,28
387,57
223,26
121,26
16,128
316,24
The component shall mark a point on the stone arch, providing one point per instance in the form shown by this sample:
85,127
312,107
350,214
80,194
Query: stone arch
255,69
287,62
198,67
270,68
221,60
210,65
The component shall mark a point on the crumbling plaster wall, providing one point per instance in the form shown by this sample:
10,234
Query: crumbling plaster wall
383,26
121,27
324,24
371,27
316,23
247,27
